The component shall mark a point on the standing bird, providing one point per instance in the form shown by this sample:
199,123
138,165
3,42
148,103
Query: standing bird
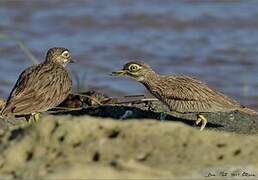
41,87
182,94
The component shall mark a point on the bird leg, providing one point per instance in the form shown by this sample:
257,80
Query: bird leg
27,117
36,118
201,118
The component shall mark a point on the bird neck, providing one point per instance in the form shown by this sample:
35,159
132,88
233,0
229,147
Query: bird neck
153,85
150,79
54,63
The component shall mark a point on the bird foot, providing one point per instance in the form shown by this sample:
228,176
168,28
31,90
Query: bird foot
202,119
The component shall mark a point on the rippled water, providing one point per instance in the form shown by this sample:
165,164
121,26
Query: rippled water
216,41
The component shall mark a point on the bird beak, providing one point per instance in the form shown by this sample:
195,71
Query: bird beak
119,73
71,61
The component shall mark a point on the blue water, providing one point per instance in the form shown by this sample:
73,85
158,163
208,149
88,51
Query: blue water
215,41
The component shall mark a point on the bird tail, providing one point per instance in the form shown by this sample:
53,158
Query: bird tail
248,111
5,112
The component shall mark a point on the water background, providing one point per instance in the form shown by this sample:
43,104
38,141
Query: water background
215,41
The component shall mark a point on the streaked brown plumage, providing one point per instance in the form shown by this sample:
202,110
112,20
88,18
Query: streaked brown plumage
41,87
182,94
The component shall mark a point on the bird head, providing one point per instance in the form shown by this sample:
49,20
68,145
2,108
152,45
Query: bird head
59,55
136,70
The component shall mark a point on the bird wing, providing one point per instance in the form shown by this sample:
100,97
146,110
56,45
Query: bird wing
35,90
186,94
22,83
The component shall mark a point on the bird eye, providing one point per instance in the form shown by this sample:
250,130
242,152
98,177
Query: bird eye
134,67
65,54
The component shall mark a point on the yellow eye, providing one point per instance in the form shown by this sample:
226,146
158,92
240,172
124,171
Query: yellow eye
65,54
134,67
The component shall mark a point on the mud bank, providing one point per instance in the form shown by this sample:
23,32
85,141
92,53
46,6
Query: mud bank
89,147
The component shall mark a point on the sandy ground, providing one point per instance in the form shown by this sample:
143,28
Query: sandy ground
85,147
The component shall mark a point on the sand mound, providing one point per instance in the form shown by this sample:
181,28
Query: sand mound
87,147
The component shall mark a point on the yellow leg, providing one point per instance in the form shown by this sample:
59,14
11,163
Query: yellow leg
36,118
201,118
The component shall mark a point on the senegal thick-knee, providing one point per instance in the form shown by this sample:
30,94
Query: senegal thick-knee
181,93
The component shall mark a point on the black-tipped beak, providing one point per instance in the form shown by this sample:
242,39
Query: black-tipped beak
118,73
71,61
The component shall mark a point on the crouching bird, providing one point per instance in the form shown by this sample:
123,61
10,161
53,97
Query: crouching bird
182,94
40,87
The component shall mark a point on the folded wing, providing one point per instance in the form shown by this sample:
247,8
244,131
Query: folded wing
186,94
38,89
